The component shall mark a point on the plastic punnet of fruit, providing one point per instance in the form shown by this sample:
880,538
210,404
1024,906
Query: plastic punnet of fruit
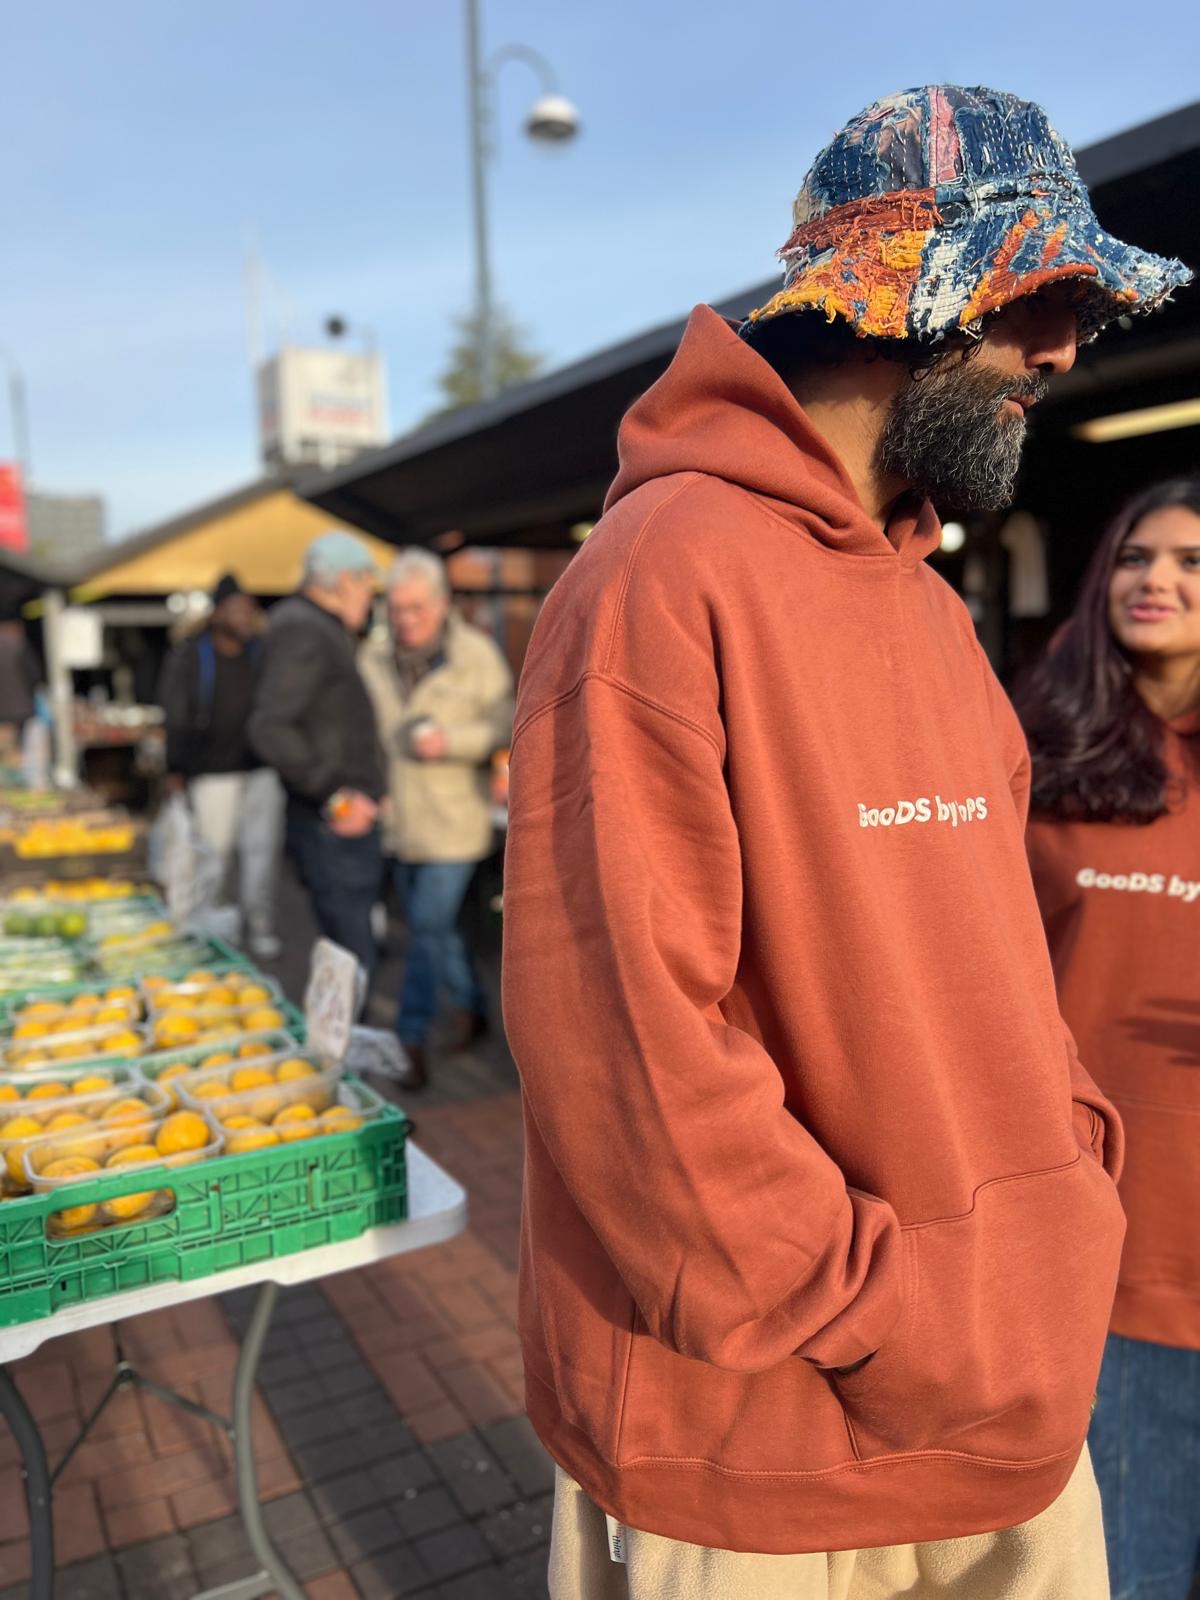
261,1087
67,1041
171,1140
75,1092
249,1127
170,1069
94,1123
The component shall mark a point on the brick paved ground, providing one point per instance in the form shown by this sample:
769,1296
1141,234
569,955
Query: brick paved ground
393,1453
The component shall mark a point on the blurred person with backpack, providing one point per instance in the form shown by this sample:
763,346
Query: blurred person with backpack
206,692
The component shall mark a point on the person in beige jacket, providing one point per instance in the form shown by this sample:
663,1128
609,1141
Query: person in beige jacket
443,697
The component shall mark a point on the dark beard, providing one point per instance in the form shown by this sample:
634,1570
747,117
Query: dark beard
947,437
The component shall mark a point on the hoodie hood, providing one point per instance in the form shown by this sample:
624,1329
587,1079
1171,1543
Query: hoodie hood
721,410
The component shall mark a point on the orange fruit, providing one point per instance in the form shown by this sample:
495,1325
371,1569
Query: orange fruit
9,1091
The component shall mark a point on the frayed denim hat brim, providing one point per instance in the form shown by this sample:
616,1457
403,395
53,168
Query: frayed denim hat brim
920,264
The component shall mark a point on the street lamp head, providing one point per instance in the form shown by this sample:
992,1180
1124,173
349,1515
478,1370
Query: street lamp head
552,120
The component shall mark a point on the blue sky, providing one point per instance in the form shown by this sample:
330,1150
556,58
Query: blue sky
141,139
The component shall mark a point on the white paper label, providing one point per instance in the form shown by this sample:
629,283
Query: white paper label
331,1001
616,1540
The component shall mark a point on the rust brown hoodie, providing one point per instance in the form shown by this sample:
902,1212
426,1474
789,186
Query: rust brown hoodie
1120,904
796,1085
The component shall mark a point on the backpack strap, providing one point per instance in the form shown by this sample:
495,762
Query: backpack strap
206,663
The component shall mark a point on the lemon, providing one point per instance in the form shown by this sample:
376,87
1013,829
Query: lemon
176,1029
299,1113
290,1132
128,1206
219,996
19,1129
124,1112
253,994
250,1078
112,1013
253,1047
294,1067
185,1130
30,1030
201,975
340,1119
122,992
220,1058
48,1091
92,1083
9,1091
250,1139
126,1042
72,1052
71,1217
23,1059
211,1090
67,1119
267,1105
241,1121
261,1019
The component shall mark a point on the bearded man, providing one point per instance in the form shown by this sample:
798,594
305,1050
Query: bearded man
821,1231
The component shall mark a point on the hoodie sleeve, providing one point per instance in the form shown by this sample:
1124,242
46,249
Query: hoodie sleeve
1098,1128
735,1233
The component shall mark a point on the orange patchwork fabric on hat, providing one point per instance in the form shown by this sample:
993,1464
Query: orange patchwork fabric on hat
933,207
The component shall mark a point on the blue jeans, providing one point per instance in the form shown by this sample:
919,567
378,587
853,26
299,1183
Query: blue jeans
1145,1443
432,893
343,878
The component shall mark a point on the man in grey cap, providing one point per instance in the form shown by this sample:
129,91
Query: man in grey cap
313,722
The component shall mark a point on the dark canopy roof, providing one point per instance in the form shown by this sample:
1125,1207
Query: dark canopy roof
522,468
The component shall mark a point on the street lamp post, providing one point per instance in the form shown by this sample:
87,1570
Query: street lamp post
552,120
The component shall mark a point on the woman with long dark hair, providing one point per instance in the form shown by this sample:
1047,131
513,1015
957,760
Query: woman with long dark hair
1112,714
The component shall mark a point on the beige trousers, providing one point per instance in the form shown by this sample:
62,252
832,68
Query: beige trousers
1058,1555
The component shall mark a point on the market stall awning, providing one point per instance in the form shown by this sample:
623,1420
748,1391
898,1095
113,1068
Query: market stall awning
521,469
259,533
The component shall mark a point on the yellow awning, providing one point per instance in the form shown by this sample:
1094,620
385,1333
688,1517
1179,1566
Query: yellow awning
262,542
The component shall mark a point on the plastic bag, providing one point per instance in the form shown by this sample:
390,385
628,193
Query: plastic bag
376,1050
185,866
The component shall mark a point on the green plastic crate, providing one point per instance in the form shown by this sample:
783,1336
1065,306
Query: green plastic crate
233,1211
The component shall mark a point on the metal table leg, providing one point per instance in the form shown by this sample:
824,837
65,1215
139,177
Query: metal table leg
274,1577
37,1486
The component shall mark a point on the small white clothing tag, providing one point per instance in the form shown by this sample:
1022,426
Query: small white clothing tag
616,1540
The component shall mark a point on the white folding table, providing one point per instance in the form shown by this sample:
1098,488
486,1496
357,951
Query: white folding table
437,1210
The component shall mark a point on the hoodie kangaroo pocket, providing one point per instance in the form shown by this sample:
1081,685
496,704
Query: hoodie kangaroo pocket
999,1346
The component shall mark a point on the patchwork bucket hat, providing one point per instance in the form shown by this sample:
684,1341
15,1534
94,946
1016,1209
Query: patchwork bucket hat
936,206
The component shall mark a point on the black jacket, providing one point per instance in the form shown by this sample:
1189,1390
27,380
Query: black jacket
312,719
206,698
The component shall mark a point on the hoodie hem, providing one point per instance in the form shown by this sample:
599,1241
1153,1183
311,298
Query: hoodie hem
902,1499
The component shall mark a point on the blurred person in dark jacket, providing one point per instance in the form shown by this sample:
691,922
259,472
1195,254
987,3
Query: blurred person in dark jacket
206,692
313,722
19,675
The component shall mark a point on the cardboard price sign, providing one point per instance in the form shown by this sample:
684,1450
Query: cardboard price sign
336,985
